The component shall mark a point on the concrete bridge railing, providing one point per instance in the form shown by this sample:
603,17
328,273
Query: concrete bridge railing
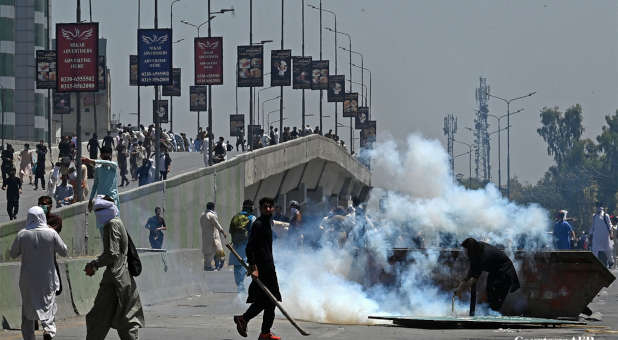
309,168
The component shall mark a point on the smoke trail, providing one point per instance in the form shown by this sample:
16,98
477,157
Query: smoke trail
328,283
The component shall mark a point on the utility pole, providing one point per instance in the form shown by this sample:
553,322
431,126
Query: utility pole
303,48
94,94
78,126
250,139
139,103
321,129
281,87
157,122
450,129
49,115
210,129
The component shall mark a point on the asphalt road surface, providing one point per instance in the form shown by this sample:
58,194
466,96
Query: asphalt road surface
210,317
181,162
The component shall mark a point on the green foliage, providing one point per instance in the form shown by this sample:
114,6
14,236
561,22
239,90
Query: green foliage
584,172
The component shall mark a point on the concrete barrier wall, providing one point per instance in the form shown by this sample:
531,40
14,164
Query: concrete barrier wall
184,277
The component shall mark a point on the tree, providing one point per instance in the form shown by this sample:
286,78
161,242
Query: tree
561,131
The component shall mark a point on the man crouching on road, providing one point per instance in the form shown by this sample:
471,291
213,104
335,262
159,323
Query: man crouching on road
260,258
117,304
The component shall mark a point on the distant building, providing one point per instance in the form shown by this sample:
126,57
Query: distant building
23,30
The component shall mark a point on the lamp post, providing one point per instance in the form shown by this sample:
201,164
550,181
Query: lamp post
268,116
362,66
266,101
498,119
370,91
258,96
197,28
508,137
335,50
172,97
210,128
469,160
350,49
175,42
320,11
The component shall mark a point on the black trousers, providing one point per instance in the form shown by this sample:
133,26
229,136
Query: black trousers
40,174
12,208
269,314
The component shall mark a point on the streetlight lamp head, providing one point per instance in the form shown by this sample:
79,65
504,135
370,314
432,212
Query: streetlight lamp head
532,94
329,29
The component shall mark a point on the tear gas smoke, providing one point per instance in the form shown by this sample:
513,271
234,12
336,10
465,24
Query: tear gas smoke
324,283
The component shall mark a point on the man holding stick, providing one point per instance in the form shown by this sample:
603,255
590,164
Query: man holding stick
262,266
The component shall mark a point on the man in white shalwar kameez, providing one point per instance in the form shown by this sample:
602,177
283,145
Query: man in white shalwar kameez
211,239
38,279
600,231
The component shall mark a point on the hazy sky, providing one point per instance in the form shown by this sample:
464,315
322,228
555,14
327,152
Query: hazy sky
426,58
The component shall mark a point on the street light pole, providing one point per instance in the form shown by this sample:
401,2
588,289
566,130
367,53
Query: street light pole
303,50
78,127
370,90
264,102
157,122
469,160
321,128
508,137
49,114
139,104
172,97
210,130
498,119
281,88
362,68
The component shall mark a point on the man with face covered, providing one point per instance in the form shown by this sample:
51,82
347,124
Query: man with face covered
55,222
260,258
117,304
105,180
37,245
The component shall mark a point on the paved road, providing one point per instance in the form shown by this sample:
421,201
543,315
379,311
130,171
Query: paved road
210,317
181,162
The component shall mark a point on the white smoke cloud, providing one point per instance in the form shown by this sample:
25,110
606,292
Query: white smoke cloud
326,284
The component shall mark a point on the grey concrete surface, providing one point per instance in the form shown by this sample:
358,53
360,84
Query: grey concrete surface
210,317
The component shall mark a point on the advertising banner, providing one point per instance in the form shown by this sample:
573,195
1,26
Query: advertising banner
362,118
154,51
208,59
101,70
319,75
350,104
174,89
368,134
133,70
197,98
250,66
336,88
160,112
77,52
45,69
255,133
62,103
301,70
237,125
280,68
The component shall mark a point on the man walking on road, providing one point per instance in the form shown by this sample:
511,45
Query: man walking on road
117,304
601,233
260,258
37,245
13,190
155,226
39,169
240,228
212,247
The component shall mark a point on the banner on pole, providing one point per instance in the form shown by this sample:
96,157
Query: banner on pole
62,103
362,118
160,111
45,69
237,125
250,66
368,135
350,105
197,98
133,70
208,59
154,51
280,70
77,52
301,70
319,75
173,90
336,88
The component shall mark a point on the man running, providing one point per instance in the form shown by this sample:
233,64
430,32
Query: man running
260,257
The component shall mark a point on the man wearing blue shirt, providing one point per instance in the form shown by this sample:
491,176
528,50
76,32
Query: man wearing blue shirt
105,180
563,232
156,225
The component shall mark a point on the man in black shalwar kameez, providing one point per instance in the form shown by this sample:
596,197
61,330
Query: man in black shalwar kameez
260,258
502,277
